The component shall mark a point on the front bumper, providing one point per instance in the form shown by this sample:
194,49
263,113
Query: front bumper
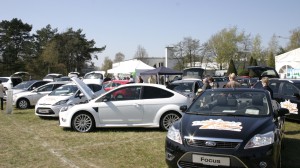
47,110
181,156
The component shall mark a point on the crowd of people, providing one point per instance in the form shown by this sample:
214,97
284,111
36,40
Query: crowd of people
209,83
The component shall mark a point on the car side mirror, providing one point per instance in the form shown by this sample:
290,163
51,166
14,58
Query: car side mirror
183,108
283,112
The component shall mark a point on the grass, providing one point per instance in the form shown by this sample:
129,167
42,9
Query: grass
29,141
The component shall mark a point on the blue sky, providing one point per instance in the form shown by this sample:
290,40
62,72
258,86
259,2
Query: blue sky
122,25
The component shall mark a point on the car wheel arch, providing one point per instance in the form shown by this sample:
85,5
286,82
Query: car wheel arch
19,100
86,113
172,114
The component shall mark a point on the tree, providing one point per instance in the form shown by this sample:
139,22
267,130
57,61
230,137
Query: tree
231,67
72,49
294,42
141,54
187,51
41,41
271,60
119,57
15,42
107,64
256,51
224,45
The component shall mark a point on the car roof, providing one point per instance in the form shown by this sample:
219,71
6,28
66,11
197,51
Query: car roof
289,80
60,82
187,80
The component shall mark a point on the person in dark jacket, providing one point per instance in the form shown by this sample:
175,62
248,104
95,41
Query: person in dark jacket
265,84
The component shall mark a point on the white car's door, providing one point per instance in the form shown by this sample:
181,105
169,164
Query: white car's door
123,106
40,92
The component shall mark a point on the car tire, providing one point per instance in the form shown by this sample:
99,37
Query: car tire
23,103
83,122
167,120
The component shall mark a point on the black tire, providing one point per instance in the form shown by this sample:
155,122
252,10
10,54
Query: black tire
23,103
83,122
167,120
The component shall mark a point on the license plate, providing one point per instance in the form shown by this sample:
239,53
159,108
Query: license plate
43,111
211,160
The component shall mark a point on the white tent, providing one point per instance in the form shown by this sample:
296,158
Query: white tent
130,66
288,64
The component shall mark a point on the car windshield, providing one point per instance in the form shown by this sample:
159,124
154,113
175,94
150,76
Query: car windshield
23,85
65,90
234,103
181,87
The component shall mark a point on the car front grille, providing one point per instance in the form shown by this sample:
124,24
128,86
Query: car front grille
213,142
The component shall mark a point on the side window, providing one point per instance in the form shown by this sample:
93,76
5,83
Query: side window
56,86
38,84
153,93
96,88
288,89
127,93
274,86
45,88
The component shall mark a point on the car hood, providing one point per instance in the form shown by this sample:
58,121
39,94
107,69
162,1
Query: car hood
21,93
15,91
231,127
83,88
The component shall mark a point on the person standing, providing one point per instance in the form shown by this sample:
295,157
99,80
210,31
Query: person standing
140,80
2,91
232,83
265,84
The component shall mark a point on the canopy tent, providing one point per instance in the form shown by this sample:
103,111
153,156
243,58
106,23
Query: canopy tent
162,71
130,66
287,64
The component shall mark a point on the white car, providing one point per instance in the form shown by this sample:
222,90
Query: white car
130,105
24,100
50,105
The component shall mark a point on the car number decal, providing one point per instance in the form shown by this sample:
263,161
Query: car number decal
218,124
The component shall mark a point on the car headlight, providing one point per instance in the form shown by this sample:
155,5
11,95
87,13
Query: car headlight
261,140
65,108
61,102
174,135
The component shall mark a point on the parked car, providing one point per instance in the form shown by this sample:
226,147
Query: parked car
69,94
52,77
187,86
94,77
28,85
221,80
287,93
262,71
108,85
10,82
26,99
148,105
228,128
